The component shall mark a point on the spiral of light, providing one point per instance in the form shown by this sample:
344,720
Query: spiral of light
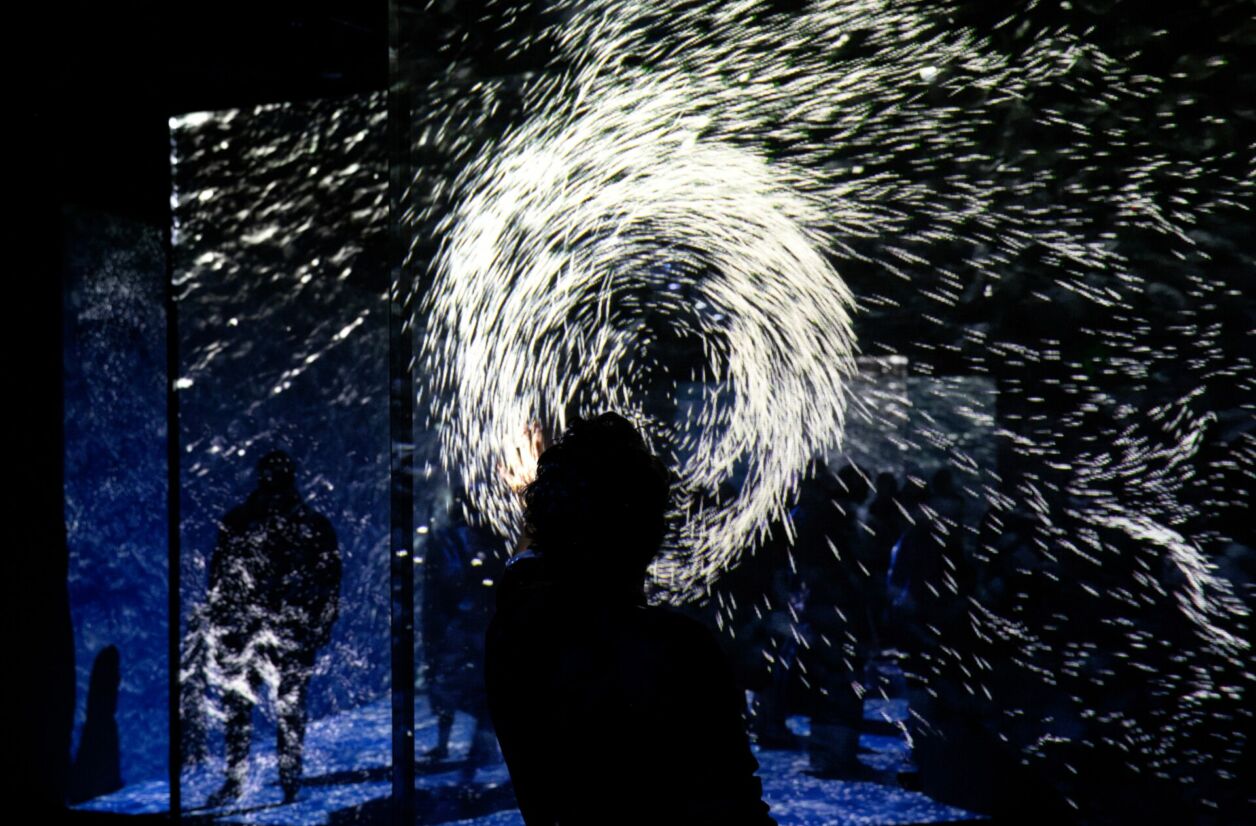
554,291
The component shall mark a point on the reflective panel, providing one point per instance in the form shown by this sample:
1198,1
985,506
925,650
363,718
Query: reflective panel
459,771
280,273
115,506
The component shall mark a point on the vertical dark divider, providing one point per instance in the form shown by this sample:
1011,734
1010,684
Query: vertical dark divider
173,510
401,427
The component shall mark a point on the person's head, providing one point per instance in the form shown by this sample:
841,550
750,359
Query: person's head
942,484
598,506
276,471
853,483
914,491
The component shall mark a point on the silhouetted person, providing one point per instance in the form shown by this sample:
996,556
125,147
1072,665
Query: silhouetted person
97,767
768,588
274,594
460,574
608,710
832,550
948,505
915,560
886,522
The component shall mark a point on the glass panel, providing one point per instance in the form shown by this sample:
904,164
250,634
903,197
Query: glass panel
940,319
455,106
459,772
115,504
280,270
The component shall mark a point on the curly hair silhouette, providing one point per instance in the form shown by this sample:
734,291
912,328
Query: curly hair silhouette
599,503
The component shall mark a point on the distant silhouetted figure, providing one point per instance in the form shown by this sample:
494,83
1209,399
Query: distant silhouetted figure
768,589
886,522
915,560
460,573
948,504
96,768
832,550
274,594
607,710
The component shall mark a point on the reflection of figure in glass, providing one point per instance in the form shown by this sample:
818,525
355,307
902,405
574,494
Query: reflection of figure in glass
461,568
608,710
274,593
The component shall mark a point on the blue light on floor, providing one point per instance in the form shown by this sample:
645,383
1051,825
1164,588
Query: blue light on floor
347,767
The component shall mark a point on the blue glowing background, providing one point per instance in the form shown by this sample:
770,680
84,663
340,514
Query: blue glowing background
115,473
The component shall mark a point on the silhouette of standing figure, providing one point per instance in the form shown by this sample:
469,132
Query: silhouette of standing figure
274,594
833,556
461,567
608,710
96,768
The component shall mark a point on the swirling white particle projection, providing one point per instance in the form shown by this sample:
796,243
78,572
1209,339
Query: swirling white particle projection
705,235
750,180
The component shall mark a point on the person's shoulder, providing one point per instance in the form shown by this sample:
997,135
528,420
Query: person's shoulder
320,521
665,616
524,581
239,517
678,630
314,519
527,568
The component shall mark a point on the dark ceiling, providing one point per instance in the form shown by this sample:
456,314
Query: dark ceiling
115,72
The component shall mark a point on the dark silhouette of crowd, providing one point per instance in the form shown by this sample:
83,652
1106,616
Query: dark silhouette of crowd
610,710
915,589
807,614
462,565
